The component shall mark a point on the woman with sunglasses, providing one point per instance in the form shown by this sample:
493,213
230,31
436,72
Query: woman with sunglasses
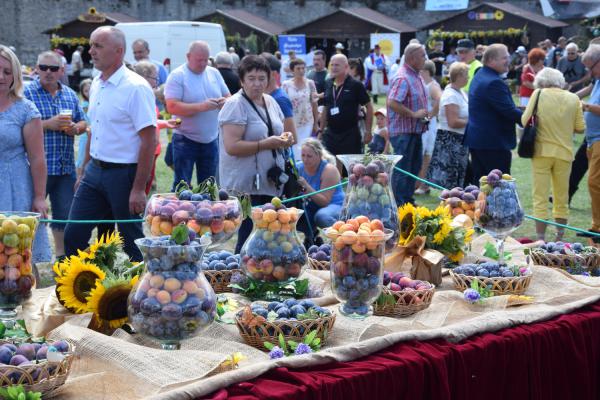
23,169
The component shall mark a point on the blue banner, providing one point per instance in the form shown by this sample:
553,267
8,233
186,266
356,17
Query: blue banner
292,42
446,5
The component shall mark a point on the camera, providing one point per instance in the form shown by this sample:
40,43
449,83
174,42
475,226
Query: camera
277,177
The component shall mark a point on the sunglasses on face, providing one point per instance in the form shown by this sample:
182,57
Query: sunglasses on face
45,68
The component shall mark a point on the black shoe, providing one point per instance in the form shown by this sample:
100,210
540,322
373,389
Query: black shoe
595,238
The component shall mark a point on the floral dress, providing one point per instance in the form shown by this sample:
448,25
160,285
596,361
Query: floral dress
15,172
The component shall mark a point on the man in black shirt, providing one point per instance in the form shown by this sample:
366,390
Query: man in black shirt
224,63
438,57
339,119
319,73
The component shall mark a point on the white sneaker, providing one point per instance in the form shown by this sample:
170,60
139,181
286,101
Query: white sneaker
420,191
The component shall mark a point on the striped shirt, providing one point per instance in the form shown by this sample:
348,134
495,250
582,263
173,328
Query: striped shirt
408,89
59,147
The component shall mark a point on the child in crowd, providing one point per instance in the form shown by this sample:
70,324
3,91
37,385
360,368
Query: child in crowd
380,144
84,94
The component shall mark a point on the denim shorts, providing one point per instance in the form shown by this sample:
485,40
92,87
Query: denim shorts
60,189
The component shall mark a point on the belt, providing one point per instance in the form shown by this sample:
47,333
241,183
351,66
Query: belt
110,165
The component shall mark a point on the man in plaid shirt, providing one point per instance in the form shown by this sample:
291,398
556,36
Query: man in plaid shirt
51,98
407,120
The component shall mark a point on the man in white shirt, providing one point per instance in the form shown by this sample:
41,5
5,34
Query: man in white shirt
120,151
195,92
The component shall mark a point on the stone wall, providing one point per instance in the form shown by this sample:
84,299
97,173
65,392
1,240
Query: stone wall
22,21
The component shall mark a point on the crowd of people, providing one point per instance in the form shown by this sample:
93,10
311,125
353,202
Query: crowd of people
244,120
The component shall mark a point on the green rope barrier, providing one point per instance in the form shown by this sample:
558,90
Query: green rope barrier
91,221
531,217
343,183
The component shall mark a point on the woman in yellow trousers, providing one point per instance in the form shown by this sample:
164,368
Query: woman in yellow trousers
559,115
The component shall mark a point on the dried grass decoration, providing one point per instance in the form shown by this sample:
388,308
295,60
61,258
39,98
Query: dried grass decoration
93,281
45,375
256,330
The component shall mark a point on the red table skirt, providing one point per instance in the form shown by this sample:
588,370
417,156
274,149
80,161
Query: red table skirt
554,359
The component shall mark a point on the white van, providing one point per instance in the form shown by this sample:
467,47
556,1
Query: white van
169,40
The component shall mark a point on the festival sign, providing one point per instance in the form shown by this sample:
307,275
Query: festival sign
446,5
296,43
389,44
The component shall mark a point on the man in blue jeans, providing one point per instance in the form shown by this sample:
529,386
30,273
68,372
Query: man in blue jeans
407,112
195,92
52,99
120,151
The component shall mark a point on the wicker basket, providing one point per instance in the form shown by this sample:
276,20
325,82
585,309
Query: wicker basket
318,265
219,280
407,303
564,261
500,286
45,377
291,330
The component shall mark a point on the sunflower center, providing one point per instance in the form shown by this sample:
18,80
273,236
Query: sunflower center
406,224
113,304
84,282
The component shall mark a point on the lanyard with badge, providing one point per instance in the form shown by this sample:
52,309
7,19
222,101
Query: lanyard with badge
269,125
336,95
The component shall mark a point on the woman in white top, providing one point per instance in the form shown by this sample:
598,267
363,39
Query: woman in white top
303,95
434,93
450,157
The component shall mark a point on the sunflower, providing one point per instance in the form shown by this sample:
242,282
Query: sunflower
445,229
407,220
75,284
469,235
456,257
60,268
104,250
108,302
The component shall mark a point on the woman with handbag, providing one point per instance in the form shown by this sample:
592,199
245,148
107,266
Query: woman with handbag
556,115
252,141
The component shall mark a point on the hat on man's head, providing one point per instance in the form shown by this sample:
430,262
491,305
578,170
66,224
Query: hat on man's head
340,46
465,44
521,50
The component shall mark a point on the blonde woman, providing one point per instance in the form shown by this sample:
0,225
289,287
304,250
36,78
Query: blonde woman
23,171
316,171
450,157
559,114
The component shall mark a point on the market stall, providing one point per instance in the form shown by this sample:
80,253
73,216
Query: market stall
244,30
492,22
70,34
325,32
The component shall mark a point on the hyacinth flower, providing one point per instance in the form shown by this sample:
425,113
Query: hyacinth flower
472,296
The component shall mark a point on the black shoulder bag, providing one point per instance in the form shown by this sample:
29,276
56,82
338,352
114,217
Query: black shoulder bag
291,187
527,143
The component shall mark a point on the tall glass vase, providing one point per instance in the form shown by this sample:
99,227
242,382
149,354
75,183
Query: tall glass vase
17,230
172,300
498,210
369,190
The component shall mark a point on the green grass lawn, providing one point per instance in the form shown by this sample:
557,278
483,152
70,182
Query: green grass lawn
580,213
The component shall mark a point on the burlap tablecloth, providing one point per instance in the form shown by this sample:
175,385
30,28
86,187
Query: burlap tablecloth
131,367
